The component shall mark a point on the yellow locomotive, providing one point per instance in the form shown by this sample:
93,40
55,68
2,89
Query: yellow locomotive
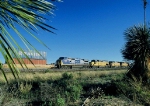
124,64
104,63
114,64
98,63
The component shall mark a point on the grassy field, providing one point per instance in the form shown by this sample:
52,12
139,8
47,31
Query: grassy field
72,88
53,75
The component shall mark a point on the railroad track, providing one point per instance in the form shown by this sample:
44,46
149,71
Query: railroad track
74,69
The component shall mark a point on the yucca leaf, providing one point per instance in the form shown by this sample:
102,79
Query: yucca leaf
28,15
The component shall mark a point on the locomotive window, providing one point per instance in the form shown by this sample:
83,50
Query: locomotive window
61,58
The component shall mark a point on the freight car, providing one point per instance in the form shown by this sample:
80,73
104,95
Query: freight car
65,62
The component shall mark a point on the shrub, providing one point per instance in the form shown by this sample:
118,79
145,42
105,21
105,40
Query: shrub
25,88
74,92
60,101
68,87
67,76
135,90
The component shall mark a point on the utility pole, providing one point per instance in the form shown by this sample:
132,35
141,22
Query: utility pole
145,3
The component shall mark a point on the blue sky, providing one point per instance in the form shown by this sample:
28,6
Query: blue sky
90,29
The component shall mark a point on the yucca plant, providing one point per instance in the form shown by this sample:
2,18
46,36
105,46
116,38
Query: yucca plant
137,48
28,15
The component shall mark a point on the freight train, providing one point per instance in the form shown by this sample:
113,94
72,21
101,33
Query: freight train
66,62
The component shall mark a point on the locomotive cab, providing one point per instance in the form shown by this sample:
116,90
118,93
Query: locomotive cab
59,62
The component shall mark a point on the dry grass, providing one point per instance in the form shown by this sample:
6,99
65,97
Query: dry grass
30,66
35,76
100,73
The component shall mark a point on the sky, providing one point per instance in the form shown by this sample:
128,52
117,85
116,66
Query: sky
90,29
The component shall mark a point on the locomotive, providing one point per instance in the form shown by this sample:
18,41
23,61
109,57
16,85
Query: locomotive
66,62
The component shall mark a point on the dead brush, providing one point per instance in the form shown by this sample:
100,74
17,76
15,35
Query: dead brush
94,93
25,88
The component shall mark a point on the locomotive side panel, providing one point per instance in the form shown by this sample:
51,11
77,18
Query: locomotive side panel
116,64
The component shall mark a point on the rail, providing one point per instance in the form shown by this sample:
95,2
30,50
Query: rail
74,69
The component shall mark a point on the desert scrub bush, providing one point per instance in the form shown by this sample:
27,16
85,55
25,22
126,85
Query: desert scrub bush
25,88
68,87
60,101
95,92
59,92
65,81
72,93
67,76
15,93
135,90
